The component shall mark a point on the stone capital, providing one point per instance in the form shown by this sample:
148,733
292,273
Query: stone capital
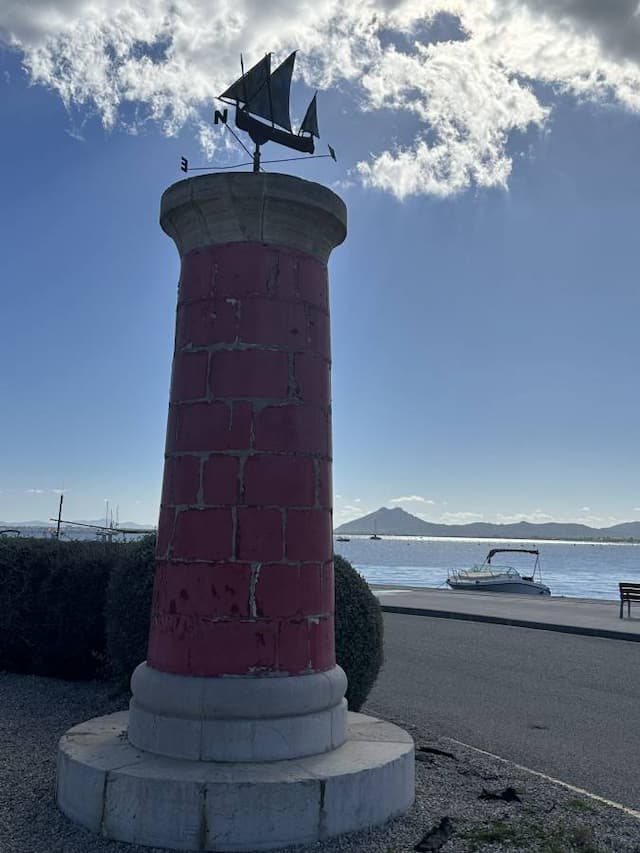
243,207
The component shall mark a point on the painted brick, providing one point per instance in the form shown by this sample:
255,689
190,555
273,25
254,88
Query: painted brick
322,650
292,428
314,284
166,523
259,534
313,379
193,645
310,590
271,480
317,332
277,590
212,426
288,590
189,376
273,322
206,322
309,535
325,484
196,276
203,589
305,280
203,534
328,602
241,424
249,373
293,646
181,482
220,484
157,586
289,276
172,424
245,269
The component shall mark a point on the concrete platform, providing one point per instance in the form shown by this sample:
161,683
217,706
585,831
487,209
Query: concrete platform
123,793
587,616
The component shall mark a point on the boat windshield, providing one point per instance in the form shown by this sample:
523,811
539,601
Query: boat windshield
485,571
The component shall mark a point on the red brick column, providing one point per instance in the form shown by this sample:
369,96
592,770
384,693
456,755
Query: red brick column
244,582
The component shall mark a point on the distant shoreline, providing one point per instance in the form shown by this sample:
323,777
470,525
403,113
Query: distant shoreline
601,541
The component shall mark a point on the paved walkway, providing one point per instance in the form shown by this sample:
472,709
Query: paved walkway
587,616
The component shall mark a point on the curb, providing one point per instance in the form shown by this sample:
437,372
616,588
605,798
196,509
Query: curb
516,623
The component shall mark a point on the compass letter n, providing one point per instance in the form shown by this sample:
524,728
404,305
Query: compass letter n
220,116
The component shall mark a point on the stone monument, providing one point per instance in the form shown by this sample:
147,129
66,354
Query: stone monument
238,735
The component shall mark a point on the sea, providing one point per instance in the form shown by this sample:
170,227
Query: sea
571,569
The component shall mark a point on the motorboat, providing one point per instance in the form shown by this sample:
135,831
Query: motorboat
489,577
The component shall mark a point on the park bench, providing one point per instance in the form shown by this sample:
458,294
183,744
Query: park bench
628,592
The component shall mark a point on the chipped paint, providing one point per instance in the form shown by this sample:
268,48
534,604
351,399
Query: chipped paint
255,576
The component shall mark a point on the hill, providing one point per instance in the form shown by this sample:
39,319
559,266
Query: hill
398,522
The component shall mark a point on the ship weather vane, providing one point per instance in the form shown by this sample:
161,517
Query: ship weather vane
261,100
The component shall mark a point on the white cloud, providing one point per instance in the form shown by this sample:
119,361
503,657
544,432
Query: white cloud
585,509
35,491
616,23
460,517
411,499
535,517
468,96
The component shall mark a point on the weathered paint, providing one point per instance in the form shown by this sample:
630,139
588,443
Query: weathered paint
244,582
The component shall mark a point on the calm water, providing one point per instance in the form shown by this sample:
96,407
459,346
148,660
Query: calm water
577,569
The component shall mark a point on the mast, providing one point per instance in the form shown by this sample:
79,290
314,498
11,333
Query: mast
59,516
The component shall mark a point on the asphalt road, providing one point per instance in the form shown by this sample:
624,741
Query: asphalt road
564,705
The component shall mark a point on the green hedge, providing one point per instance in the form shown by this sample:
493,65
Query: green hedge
359,632
51,605
128,608
81,610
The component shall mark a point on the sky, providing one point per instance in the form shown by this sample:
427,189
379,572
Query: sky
485,304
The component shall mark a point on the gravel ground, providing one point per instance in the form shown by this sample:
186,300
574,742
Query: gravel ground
35,712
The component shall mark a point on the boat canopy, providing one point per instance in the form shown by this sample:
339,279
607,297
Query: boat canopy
495,551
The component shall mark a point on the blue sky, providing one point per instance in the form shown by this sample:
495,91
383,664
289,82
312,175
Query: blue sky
485,305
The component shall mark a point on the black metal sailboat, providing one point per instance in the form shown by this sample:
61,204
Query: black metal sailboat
264,94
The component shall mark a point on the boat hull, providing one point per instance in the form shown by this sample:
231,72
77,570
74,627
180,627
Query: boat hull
261,133
517,586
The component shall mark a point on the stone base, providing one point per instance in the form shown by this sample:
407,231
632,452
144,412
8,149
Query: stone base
237,719
124,793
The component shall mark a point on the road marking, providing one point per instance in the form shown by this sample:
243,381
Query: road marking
567,785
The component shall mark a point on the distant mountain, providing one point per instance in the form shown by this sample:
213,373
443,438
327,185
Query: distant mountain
397,522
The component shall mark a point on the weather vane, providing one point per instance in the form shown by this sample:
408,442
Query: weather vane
264,94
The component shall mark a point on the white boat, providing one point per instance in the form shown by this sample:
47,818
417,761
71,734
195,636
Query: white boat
491,578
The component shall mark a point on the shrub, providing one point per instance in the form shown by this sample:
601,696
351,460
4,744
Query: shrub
359,632
51,604
128,608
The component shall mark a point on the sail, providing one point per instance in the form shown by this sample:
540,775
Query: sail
264,94
280,86
310,120
252,84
